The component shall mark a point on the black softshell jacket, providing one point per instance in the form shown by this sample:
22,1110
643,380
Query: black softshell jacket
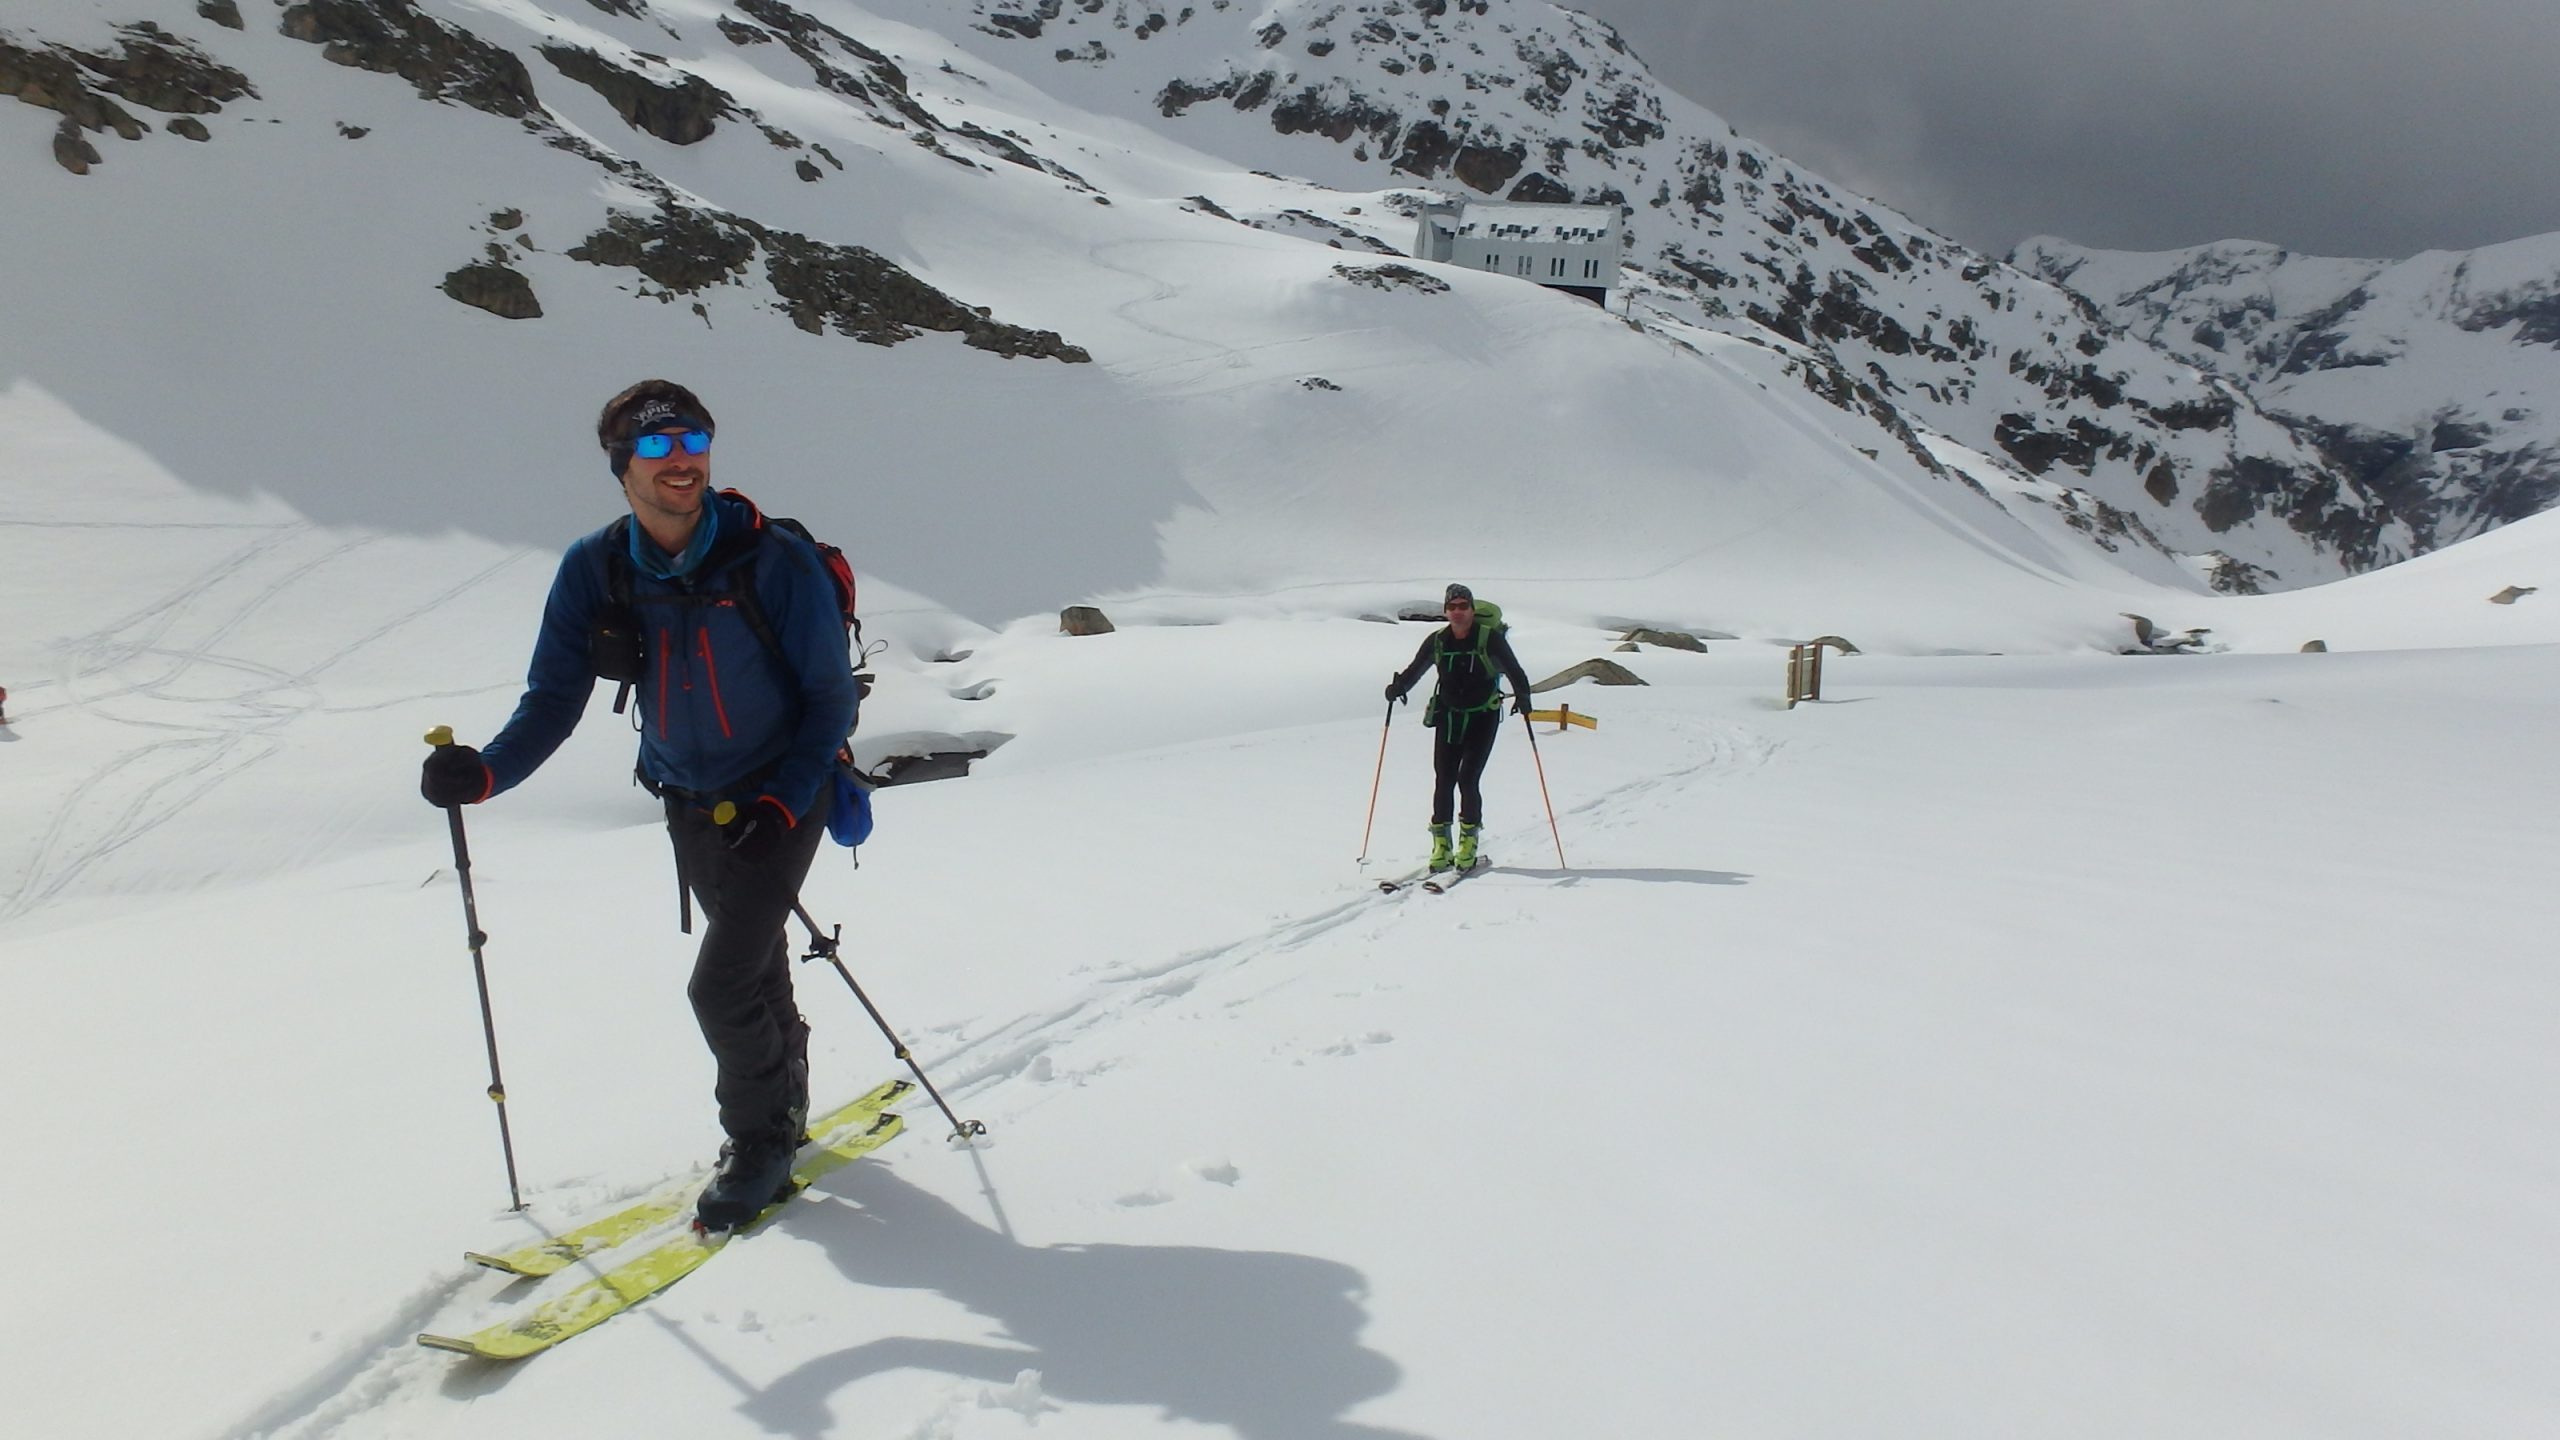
1466,680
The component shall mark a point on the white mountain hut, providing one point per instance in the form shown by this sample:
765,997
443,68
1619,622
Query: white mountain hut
1574,248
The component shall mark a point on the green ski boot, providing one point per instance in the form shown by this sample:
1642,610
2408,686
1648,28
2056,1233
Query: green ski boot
1440,847
1465,859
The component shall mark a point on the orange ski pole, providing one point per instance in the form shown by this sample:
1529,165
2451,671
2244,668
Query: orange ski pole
1542,789
1371,822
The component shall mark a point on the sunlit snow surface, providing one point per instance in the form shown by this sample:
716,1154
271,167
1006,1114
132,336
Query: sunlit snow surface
2054,1042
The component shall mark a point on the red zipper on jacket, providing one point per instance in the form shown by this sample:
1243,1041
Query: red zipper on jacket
662,682
711,671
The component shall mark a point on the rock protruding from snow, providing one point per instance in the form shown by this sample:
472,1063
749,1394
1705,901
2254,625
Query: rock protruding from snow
1084,620
1598,672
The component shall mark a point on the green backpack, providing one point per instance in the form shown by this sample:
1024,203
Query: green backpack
1489,623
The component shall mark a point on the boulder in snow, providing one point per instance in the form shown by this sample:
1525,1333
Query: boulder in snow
1599,672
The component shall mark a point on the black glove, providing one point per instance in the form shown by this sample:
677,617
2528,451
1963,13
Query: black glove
1396,688
753,832
1520,704
455,775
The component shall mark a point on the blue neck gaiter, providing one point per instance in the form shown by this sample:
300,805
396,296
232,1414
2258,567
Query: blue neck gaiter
649,560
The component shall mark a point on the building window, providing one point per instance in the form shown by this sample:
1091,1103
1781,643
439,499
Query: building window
1492,260
1590,269
1524,264
1555,268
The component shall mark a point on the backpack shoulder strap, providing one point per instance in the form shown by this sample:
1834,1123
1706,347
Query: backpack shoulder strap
742,581
615,551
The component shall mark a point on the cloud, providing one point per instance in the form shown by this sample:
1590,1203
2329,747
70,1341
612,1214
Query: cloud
2350,127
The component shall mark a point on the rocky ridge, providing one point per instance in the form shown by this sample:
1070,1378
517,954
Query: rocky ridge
2435,381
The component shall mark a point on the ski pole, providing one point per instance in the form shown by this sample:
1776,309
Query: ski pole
440,737
1371,822
1542,789
826,945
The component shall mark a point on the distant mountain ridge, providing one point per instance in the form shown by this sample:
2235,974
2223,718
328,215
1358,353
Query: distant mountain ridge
2436,379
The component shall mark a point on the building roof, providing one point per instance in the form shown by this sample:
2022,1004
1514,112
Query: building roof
1539,224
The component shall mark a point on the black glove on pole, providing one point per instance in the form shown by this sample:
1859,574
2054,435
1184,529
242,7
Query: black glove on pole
442,738
1542,783
824,945
1368,824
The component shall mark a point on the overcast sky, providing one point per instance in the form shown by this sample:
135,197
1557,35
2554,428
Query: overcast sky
2374,128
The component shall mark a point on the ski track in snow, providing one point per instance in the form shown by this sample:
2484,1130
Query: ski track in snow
363,1377
372,1375
1016,1047
128,673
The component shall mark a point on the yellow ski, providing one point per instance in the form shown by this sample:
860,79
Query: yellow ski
545,1257
627,1284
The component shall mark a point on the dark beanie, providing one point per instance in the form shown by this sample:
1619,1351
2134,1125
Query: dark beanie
1458,592
649,405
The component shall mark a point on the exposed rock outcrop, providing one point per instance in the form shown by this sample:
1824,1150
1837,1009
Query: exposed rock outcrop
501,290
1598,672
681,111
1392,277
395,37
149,67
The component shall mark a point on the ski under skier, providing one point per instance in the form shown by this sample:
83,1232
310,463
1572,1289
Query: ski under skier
1471,652
734,635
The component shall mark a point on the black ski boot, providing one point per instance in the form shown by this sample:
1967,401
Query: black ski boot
752,1175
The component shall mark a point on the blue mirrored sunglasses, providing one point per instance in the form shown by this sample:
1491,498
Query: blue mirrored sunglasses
659,446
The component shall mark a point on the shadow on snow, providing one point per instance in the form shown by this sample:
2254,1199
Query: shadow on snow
1261,1342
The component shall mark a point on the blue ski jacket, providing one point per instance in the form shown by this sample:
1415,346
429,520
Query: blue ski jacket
722,715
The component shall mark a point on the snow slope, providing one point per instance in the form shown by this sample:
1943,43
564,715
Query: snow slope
2013,1044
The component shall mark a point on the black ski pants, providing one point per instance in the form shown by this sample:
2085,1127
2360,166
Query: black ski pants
741,987
1457,766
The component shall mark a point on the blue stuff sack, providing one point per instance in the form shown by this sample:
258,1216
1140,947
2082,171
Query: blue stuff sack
849,808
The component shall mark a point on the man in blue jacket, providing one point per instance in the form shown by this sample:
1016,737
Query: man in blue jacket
731,632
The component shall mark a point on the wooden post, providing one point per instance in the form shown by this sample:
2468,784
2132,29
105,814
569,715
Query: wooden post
1804,674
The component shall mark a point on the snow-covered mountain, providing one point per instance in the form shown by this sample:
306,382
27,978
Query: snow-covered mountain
787,196
2434,380
1530,101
